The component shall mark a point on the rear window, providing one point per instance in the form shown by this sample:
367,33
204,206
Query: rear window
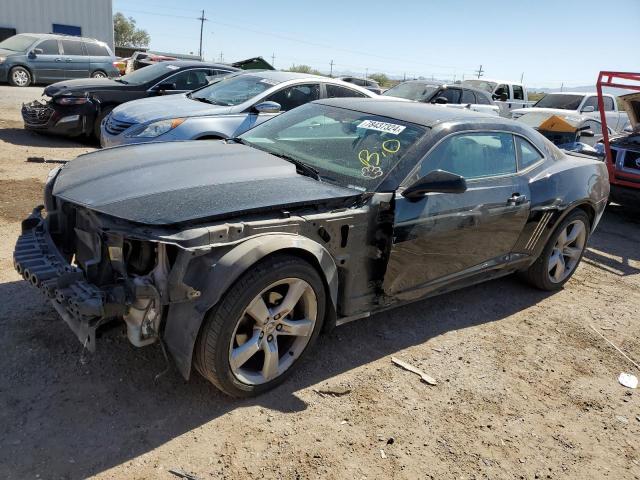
97,50
337,91
72,47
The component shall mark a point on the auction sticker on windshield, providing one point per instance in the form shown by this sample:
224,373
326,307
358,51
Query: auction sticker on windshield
382,126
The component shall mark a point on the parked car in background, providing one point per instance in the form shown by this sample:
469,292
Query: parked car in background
624,164
30,58
222,110
576,133
76,107
367,83
238,253
507,95
144,59
453,96
578,103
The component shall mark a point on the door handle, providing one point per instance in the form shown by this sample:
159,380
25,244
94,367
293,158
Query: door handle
58,59
516,199
67,59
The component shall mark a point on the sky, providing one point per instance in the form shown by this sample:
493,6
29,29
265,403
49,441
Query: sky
549,43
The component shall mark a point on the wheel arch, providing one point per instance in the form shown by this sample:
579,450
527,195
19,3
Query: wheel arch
184,320
27,68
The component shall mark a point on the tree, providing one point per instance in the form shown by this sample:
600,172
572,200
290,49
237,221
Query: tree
380,78
304,69
126,34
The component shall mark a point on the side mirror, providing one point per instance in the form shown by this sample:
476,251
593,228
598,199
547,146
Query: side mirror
588,109
441,100
267,107
438,181
35,51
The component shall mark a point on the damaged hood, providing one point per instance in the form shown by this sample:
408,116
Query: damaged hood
81,86
631,103
170,106
177,182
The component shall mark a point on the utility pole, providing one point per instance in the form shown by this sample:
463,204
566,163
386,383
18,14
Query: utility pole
331,68
202,20
366,73
220,57
273,60
521,77
561,86
479,71
404,77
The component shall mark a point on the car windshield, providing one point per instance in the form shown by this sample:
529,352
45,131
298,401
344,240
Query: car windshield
563,101
347,148
18,43
148,74
234,90
485,85
412,91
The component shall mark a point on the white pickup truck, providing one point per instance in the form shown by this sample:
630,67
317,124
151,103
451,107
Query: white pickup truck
579,103
506,95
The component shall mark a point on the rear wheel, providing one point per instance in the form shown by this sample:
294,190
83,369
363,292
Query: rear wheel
98,74
561,254
252,340
20,77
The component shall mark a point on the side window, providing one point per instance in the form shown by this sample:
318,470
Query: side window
293,97
482,99
451,94
189,79
337,91
72,47
49,47
502,89
527,153
474,155
591,102
518,92
468,97
96,50
608,104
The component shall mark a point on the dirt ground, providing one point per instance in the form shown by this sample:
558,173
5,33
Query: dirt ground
525,388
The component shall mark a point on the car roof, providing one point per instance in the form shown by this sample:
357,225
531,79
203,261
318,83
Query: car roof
197,63
279,76
61,36
413,112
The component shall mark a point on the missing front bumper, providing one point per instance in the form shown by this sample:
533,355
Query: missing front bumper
82,305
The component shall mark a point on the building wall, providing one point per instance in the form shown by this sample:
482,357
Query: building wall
94,17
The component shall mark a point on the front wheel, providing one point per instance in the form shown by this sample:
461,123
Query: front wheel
98,74
20,77
252,340
561,254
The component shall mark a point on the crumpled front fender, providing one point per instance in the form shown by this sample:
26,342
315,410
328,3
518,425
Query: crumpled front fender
213,273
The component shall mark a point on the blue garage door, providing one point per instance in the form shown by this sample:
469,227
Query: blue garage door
67,29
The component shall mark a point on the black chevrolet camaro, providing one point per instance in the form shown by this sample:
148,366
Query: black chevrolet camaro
236,254
76,107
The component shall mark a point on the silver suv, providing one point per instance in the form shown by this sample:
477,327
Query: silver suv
30,58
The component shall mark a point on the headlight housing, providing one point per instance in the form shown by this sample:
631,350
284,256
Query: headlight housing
71,100
2,59
156,129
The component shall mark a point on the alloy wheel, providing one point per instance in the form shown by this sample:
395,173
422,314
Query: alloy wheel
20,78
99,75
567,251
273,331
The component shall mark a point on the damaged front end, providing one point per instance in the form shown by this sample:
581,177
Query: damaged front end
61,115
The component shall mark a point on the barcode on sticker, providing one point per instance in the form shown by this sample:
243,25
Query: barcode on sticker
382,126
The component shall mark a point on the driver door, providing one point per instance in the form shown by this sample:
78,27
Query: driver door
444,237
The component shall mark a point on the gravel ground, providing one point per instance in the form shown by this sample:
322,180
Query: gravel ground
525,388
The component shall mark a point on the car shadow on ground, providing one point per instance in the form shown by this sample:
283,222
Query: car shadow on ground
620,256
22,137
73,418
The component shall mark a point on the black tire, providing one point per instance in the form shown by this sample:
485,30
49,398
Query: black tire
101,116
211,356
99,74
16,76
538,273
